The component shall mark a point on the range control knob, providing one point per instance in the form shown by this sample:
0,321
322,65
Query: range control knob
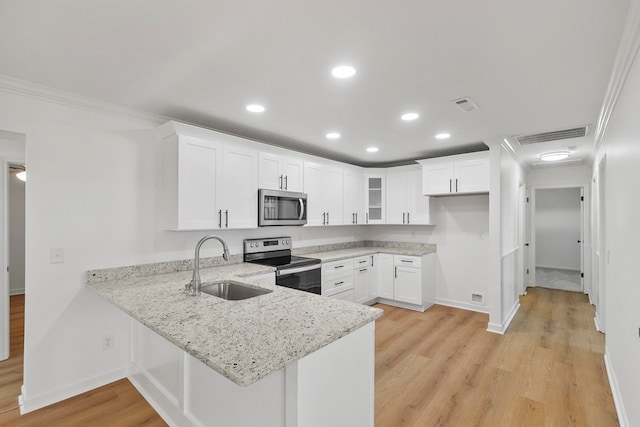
252,245
287,242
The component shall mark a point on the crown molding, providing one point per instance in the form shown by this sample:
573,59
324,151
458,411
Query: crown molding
625,57
34,90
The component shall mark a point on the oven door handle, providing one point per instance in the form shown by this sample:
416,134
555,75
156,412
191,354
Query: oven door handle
297,270
301,209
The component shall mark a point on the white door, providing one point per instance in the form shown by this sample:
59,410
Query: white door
408,285
417,203
316,213
385,276
269,172
438,178
240,188
353,198
199,180
4,256
293,174
471,176
396,197
332,189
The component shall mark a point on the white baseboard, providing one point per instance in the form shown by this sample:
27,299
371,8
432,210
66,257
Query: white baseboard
462,305
400,304
13,292
597,323
31,403
615,391
497,328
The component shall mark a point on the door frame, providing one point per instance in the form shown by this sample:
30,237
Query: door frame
4,257
585,234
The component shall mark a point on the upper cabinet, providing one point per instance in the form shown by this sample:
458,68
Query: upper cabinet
280,172
354,197
209,184
405,202
461,174
324,187
374,198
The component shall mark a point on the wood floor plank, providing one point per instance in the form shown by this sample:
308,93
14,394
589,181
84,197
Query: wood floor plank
547,370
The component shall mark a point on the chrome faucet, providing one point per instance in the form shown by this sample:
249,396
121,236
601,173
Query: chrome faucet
194,285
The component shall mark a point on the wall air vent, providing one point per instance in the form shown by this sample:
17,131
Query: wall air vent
573,162
466,104
477,298
557,135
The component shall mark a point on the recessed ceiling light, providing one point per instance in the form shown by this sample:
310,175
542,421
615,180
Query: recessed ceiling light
409,116
255,108
443,136
333,135
554,156
372,149
343,72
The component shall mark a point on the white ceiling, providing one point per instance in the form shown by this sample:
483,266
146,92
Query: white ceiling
531,65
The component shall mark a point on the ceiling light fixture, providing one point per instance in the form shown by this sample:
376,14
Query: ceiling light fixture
554,156
333,135
343,72
255,108
22,176
443,136
407,117
372,149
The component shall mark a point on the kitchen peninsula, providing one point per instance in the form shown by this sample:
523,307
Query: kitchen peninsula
284,358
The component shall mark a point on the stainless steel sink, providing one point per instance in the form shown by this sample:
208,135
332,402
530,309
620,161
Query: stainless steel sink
232,290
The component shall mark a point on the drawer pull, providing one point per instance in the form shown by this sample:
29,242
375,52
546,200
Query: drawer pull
338,266
364,269
406,260
339,283
363,261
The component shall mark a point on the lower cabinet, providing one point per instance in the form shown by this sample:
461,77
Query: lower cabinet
362,267
337,278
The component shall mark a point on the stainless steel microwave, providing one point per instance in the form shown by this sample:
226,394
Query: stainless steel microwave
281,208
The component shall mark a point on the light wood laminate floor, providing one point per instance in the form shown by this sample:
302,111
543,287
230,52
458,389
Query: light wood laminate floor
438,368
441,367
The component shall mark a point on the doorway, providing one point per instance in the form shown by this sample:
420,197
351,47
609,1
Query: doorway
556,256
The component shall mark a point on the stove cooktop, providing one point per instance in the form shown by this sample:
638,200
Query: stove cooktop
287,261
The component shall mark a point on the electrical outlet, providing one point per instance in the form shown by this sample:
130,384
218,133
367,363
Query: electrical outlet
107,342
481,236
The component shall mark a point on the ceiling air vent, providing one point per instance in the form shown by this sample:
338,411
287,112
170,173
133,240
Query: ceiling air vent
466,104
552,136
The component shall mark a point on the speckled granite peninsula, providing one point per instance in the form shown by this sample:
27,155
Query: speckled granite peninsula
242,340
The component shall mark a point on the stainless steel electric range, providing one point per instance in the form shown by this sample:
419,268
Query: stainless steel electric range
294,272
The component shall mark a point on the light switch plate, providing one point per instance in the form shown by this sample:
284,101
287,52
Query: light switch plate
56,255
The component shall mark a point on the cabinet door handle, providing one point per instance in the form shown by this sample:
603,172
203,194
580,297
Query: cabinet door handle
226,219
281,182
338,283
367,217
371,260
286,182
403,214
356,217
395,272
456,185
327,218
408,222
220,218
324,218
353,218
450,191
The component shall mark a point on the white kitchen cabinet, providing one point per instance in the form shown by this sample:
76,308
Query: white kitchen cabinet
192,183
405,202
337,277
240,188
354,212
208,184
460,174
407,284
374,198
362,267
280,172
385,276
324,187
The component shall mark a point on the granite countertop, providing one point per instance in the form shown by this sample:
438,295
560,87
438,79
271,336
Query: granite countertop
244,341
353,252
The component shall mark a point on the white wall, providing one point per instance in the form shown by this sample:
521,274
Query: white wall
559,176
461,233
621,145
557,222
16,235
511,177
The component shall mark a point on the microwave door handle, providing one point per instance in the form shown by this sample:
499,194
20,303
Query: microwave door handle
301,209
